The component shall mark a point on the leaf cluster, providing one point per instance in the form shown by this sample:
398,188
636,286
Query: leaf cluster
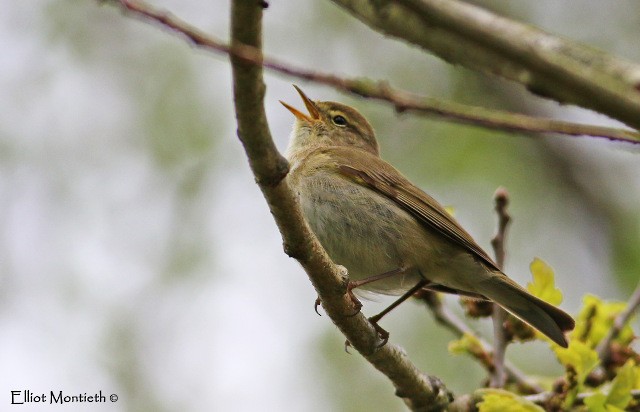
591,382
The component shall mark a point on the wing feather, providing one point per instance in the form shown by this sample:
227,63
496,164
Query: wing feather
376,174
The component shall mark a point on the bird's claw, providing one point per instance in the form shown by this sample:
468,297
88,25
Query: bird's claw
383,334
316,304
347,345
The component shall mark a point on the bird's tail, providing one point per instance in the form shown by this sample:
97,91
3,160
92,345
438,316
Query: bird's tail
548,319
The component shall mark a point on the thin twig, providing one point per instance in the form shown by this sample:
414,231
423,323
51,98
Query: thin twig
604,347
448,319
543,397
498,378
401,100
501,198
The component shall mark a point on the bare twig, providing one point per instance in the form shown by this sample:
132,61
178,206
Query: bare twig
401,100
448,319
604,347
543,397
498,378
418,391
501,198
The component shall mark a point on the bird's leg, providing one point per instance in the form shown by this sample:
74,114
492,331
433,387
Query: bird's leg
358,283
384,335
422,283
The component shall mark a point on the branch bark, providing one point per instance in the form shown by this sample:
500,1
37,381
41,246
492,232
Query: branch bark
419,391
403,101
547,65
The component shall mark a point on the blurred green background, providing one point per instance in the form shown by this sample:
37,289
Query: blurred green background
138,257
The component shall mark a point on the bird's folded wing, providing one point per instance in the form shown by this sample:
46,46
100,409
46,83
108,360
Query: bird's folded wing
381,177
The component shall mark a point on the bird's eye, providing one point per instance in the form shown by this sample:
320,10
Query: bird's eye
339,120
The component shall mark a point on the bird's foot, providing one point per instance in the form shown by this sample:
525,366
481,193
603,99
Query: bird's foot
383,334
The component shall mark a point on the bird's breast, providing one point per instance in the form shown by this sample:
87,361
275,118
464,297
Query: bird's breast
360,229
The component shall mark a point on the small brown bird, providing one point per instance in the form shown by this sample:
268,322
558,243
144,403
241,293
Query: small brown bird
391,236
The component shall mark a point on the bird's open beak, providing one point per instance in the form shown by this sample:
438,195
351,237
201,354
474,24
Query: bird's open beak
313,115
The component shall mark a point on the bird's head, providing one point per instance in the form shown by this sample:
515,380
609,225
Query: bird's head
329,124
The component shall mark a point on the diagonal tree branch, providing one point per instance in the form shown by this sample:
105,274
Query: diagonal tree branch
419,391
403,101
548,65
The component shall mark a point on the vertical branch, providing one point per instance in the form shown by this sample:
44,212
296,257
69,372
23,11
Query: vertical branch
501,198
498,378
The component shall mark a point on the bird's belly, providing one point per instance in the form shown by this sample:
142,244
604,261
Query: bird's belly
366,233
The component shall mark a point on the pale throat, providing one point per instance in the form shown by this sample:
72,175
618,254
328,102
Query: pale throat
304,137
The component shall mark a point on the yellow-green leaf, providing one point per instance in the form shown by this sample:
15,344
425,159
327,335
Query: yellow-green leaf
636,383
596,402
496,400
543,285
579,356
620,392
466,344
596,319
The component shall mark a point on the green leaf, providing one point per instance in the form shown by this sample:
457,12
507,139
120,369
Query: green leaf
543,285
497,400
467,344
596,319
596,402
620,392
580,357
